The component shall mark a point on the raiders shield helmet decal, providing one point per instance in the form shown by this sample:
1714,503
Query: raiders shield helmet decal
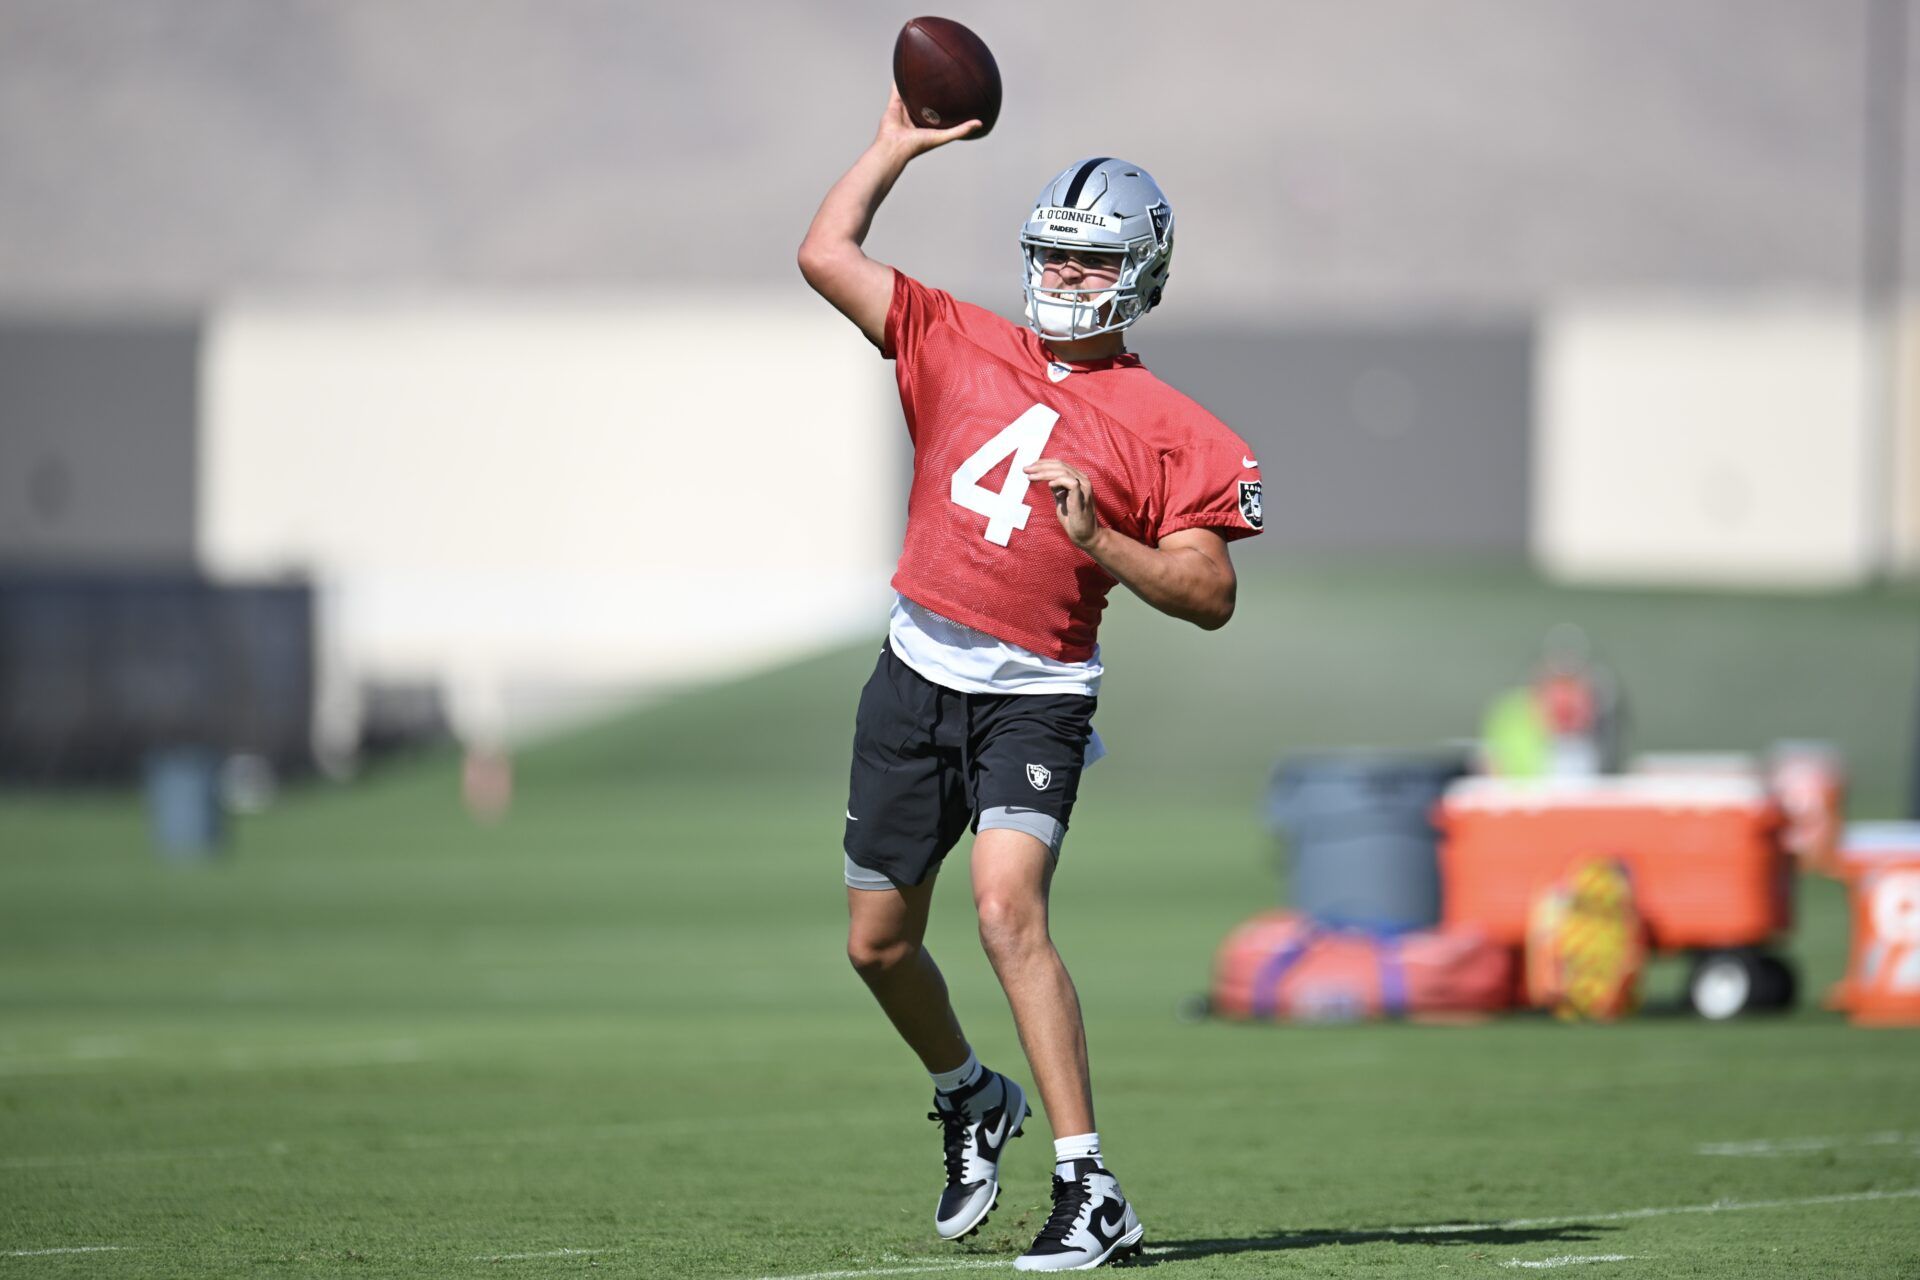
1250,504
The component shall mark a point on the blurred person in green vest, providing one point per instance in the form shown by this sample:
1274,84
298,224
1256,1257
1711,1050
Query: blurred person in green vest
1565,723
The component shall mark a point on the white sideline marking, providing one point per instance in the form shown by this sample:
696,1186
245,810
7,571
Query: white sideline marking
1717,1206
72,1248
1802,1146
1571,1260
550,1253
1421,1229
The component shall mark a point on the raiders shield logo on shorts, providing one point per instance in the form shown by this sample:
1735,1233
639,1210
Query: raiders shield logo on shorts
1250,504
1039,775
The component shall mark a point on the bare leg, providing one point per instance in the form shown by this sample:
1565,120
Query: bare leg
885,928
1011,875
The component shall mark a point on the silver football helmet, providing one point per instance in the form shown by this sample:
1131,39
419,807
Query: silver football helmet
1098,205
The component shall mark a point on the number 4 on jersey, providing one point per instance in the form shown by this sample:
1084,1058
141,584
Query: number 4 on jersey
1005,511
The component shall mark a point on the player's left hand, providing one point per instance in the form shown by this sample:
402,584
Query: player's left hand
1072,499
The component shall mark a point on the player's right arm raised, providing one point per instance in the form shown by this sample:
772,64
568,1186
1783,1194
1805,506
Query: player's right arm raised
830,257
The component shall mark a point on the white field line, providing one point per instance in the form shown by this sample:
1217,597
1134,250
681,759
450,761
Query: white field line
1421,1229
72,1248
1717,1206
1571,1260
549,1253
1765,1147
676,1126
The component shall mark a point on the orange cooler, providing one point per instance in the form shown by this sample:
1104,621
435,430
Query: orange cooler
1881,863
1703,853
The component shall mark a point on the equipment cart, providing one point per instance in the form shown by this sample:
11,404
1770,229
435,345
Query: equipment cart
1709,874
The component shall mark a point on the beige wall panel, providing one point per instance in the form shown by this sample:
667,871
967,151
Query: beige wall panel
507,495
1702,444
1905,481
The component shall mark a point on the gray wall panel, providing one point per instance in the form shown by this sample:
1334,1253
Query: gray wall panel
98,436
1391,153
1373,437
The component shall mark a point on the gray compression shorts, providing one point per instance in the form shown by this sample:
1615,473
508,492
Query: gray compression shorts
1045,828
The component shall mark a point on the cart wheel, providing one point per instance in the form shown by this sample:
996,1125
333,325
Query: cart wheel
1724,984
1779,985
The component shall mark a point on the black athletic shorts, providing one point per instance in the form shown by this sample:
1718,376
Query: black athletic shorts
929,761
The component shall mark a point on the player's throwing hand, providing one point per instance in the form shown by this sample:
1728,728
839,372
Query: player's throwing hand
1072,499
897,128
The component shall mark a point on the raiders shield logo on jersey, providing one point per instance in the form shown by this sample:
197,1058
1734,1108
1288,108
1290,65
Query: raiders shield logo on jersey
1039,775
1250,504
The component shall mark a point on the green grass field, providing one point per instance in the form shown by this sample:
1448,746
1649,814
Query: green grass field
616,1034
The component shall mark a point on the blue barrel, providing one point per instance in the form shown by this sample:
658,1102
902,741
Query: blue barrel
1365,852
183,802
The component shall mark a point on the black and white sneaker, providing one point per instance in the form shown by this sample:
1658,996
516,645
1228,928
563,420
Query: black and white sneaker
1092,1224
976,1124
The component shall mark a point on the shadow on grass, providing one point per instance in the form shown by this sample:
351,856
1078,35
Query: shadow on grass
1159,1251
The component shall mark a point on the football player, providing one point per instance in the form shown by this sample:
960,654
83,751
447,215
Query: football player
979,712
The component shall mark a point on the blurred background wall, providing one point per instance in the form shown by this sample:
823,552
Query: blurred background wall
482,317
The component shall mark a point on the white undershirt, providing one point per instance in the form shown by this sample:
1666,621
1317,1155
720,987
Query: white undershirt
958,657
970,661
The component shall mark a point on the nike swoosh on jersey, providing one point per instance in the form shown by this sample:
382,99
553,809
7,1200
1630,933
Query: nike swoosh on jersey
850,817
1249,462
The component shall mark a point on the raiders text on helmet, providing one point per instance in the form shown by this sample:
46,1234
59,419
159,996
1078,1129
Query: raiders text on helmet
1098,205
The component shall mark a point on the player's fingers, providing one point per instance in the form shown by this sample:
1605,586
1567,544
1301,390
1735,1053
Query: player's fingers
925,140
957,132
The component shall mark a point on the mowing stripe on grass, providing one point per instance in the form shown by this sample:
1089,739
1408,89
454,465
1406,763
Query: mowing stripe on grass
72,1248
981,1265
1363,1235
93,1058
549,1253
671,1126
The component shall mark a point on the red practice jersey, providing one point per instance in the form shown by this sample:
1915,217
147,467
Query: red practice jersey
984,401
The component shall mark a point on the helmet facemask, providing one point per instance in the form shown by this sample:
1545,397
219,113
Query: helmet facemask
1072,314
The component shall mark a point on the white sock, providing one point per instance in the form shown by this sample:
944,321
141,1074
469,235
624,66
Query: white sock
1081,1146
961,1076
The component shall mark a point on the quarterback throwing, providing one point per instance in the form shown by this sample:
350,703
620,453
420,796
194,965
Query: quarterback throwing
1048,465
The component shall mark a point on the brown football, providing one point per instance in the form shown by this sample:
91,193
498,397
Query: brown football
946,75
